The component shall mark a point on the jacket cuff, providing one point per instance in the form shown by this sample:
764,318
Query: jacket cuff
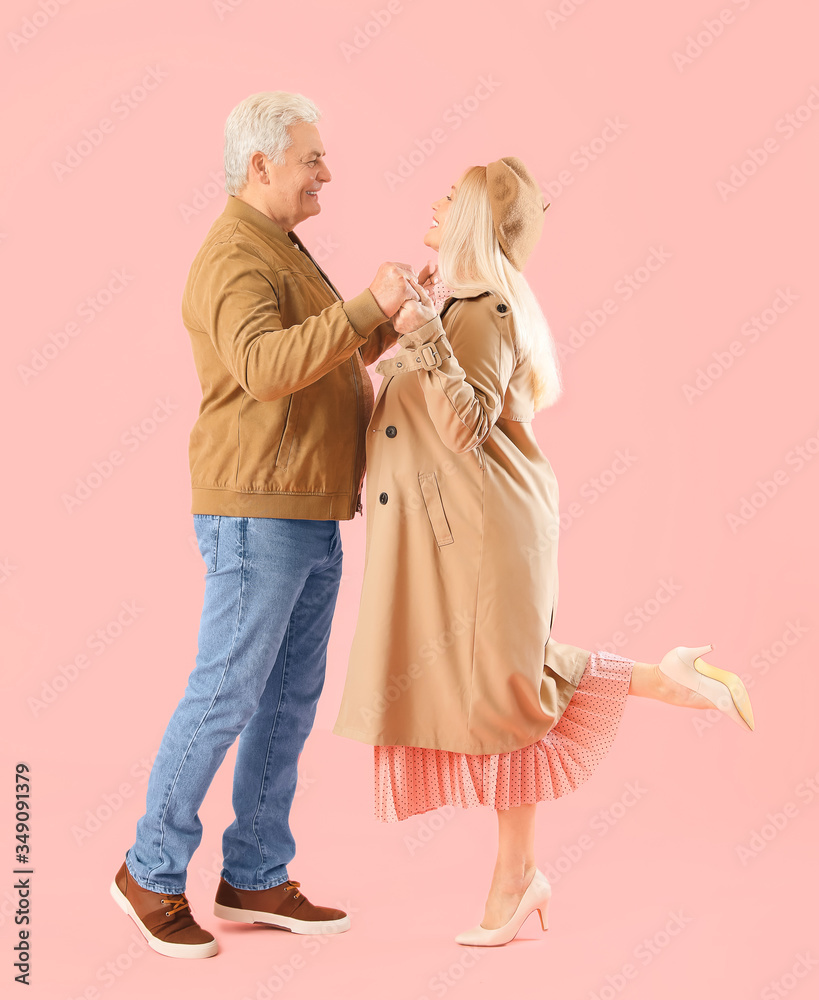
426,334
364,313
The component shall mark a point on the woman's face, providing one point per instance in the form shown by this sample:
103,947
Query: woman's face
440,210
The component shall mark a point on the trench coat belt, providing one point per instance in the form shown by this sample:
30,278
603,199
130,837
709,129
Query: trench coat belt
426,356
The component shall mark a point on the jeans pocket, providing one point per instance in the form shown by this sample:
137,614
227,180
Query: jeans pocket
207,537
431,493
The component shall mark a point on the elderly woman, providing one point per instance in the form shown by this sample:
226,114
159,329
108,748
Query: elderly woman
454,675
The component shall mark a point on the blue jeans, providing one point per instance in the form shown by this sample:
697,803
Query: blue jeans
270,593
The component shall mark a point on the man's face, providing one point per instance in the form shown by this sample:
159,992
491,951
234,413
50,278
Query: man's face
293,193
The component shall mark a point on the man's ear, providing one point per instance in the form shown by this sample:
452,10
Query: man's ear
257,168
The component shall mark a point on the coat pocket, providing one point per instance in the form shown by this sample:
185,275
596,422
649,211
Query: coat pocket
428,482
286,444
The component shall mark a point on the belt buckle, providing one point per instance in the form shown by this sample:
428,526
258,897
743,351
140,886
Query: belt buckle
431,357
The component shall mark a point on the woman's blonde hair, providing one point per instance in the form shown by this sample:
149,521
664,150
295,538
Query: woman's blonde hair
470,261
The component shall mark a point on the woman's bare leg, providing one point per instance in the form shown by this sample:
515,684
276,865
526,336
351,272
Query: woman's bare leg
648,681
515,865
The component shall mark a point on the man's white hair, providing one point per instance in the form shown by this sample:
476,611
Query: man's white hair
260,123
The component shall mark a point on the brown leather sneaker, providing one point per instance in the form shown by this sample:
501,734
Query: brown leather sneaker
282,906
165,921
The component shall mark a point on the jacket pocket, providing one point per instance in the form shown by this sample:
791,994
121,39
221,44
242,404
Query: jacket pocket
290,420
428,482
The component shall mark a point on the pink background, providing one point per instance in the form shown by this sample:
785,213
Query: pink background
723,829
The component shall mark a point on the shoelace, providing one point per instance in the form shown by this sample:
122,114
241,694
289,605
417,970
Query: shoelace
175,905
293,885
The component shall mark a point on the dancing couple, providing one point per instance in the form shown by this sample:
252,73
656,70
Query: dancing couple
454,676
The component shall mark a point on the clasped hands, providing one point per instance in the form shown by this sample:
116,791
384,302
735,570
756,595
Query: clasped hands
402,295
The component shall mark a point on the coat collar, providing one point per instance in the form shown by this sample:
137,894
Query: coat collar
455,297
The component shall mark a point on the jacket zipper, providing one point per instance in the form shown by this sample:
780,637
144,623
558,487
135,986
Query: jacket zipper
358,434
358,507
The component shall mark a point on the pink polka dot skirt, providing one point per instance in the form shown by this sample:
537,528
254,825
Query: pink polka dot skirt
412,780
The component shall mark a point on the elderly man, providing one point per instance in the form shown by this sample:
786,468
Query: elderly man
277,460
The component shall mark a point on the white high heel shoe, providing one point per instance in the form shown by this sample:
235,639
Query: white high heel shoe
537,896
722,688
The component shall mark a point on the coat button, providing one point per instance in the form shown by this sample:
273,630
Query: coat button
391,431
502,307
383,498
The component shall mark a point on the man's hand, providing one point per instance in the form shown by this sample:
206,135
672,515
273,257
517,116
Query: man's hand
413,313
392,285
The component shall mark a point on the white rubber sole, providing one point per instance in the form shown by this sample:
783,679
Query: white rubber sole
162,947
241,916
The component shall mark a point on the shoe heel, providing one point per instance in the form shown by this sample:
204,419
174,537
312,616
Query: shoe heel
738,691
690,653
119,899
542,912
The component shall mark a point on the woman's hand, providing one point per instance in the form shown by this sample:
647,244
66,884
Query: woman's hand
414,313
429,275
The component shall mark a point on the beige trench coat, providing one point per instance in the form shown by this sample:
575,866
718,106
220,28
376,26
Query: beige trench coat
453,648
